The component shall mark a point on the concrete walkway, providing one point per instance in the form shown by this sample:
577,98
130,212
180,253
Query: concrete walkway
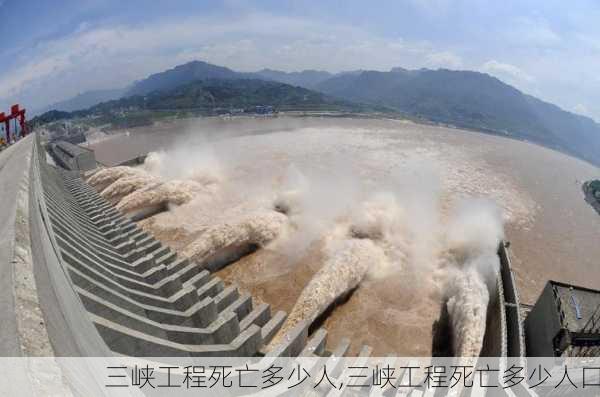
13,166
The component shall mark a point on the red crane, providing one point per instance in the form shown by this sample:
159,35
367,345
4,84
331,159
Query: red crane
15,114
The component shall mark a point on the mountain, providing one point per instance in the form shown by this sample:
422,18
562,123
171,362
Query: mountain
577,135
199,70
366,85
180,75
48,117
208,96
84,100
461,98
169,79
471,100
226,94
305,78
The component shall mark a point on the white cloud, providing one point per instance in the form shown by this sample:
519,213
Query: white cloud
588,41
444,59
527,53
13,83
582,109
506,71
432,7
535,32
103,57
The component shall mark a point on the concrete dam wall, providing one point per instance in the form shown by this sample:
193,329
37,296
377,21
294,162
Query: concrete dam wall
141,297
108,288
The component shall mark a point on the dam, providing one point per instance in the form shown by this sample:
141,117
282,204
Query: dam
137,274
106,287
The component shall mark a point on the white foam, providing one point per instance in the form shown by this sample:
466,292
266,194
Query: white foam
257,228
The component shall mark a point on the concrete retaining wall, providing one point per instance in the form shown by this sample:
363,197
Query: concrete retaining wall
122,290
515,334
107,287
134,288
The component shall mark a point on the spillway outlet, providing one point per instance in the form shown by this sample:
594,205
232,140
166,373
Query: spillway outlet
228,255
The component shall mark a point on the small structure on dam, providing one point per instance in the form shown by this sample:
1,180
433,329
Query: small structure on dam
72,157
564,322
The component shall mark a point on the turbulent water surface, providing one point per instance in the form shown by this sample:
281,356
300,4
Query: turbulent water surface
395,183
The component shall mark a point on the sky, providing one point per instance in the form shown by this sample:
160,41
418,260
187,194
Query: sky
53,50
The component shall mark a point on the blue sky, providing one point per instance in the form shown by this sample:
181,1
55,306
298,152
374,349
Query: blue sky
53,50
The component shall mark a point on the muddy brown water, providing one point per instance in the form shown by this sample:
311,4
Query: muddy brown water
553,231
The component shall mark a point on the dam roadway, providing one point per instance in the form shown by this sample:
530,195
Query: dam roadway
13,166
